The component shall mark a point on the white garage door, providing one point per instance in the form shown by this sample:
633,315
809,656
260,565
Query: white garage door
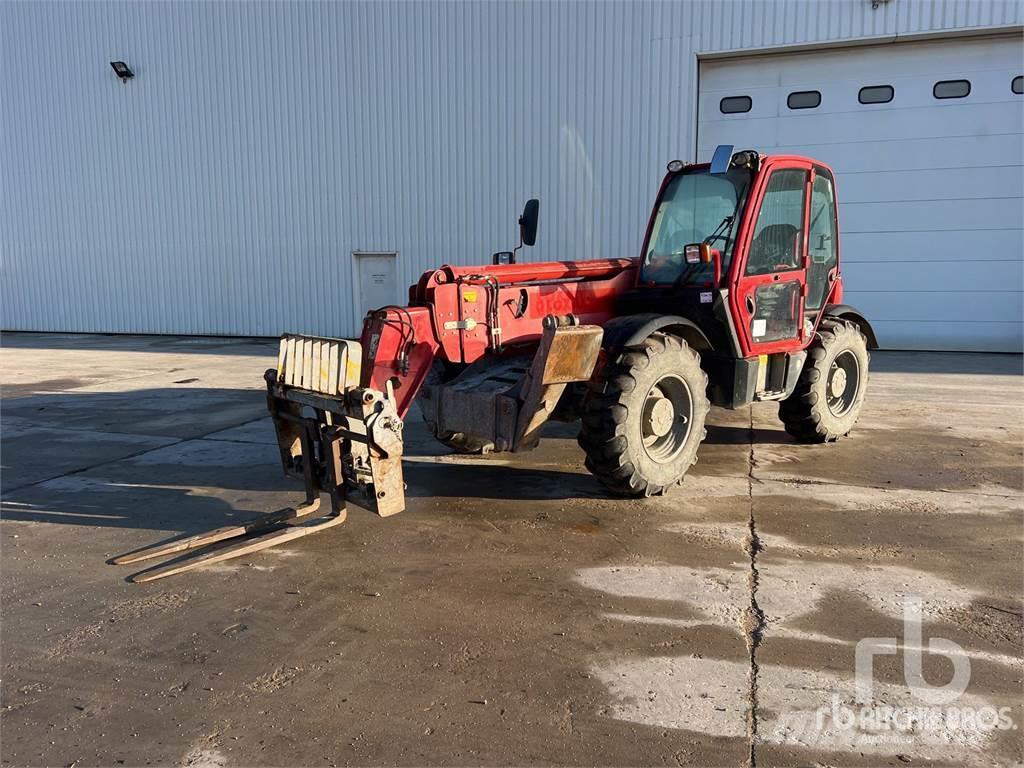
928,172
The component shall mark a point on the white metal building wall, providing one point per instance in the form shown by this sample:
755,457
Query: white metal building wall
225,187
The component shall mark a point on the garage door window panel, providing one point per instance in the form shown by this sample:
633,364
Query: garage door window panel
951,89
898,202
804,100
876,94
731,105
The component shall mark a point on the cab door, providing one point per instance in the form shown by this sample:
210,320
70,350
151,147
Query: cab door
770,284
822,244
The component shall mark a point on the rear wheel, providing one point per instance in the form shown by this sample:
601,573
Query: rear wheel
644,418
830,392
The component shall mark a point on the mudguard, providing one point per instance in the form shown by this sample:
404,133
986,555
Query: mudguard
846,312
630,330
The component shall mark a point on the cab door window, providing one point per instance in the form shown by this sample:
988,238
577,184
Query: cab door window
775,258
823,240
775,246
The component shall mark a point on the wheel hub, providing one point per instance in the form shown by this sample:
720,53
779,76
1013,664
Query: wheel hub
660,415
665,418
843,383
838,384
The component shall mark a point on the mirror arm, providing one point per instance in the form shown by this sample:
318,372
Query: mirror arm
517,249
712,256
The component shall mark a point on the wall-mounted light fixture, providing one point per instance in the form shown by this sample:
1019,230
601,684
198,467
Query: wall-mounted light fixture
122,70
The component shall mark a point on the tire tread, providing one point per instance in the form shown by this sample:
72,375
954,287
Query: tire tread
607,414
803,414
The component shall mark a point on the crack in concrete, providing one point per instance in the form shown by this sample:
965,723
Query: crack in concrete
753,622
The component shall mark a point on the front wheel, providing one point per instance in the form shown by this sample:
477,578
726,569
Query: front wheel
830,393
644,418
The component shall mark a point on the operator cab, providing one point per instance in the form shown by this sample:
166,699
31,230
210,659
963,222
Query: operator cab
746,249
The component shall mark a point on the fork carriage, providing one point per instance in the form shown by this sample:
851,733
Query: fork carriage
352,441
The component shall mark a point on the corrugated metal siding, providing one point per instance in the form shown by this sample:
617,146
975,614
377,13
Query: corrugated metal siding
225,187
752,24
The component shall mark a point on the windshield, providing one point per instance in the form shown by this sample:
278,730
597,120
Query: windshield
696,207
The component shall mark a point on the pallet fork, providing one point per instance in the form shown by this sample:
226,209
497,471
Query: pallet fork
332,434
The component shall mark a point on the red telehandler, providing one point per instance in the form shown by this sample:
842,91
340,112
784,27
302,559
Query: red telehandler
736,298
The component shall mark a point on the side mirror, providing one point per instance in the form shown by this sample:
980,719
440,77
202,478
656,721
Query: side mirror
704,253
503,257
528,222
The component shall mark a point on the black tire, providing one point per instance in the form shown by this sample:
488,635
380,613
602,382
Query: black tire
623,417
830,392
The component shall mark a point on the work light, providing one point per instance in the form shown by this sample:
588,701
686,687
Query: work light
122,70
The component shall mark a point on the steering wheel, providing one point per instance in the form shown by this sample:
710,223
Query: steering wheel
773,249
677,243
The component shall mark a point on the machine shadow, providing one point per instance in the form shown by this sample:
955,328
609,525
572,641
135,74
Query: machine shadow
188,459
112,342
498,482
975,363
109,504
721,434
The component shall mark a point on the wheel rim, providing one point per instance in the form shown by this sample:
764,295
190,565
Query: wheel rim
666,418
842,383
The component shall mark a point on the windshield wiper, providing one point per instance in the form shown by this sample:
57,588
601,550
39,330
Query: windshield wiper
722,232
728,221
718,234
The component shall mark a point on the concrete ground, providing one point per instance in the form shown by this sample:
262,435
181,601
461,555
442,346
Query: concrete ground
513,614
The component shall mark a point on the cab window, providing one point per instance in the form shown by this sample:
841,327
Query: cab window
775,246
695,208
823,242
